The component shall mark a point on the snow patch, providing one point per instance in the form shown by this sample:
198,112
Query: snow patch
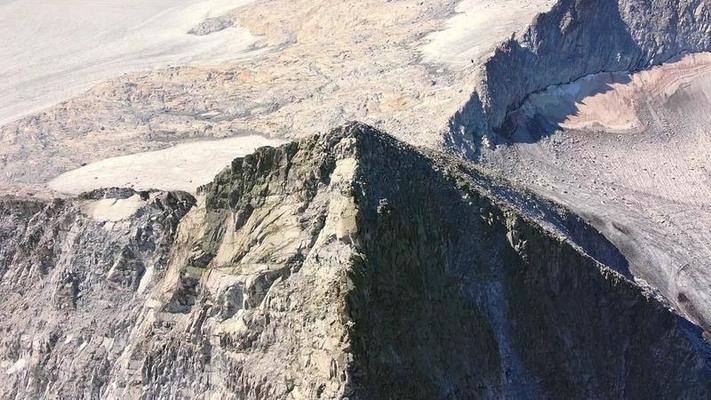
478,27
182,167
18,366
113,209
52,50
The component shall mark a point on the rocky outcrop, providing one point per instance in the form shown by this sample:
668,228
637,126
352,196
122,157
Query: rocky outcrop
577,38
75,274
345,265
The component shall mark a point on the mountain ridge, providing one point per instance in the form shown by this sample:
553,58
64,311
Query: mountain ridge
328,268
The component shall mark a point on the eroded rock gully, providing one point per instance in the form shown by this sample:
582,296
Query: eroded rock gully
344,265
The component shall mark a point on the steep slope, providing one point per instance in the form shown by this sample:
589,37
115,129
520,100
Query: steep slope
343,265
574,39
629,149
74,278
631,154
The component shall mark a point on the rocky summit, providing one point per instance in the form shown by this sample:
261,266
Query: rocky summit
346,265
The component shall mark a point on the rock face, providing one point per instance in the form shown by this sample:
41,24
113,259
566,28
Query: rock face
345,265
75,274
577,38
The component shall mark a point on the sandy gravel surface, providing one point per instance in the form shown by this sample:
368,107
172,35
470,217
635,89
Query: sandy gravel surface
611,101
647,185
312,73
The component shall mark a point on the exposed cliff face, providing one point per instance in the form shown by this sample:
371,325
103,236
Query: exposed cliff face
543,318
574,39
343,265
75,274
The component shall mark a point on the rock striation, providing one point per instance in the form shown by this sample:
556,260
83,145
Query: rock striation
344,265
574,39
75,274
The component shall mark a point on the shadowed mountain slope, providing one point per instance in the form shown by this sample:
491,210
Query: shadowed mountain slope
345,265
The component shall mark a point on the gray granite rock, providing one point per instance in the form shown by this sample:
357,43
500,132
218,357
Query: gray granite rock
345,265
